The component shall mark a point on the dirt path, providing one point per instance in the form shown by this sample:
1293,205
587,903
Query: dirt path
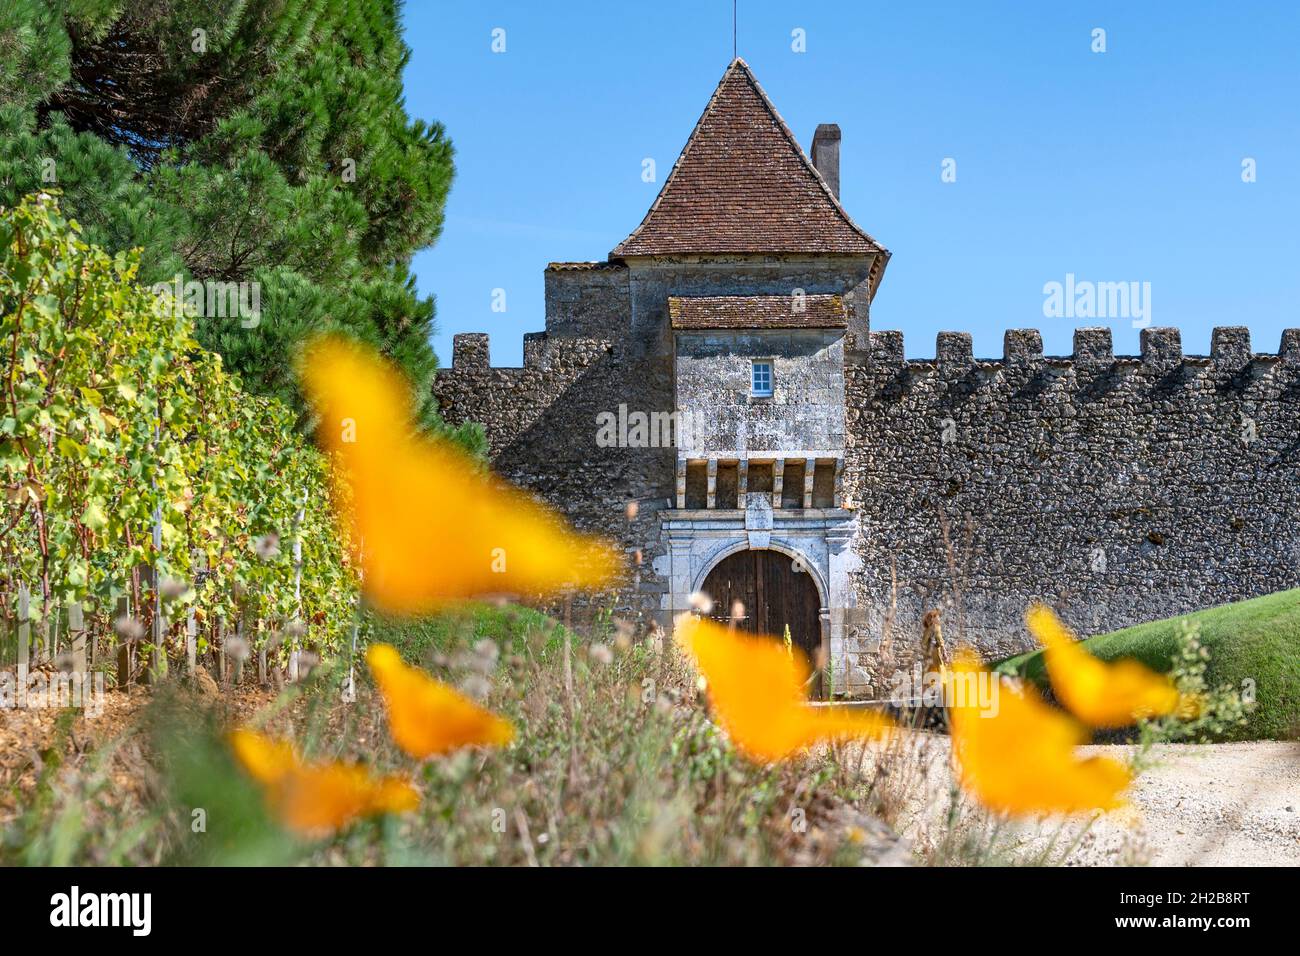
1212,805
1198,805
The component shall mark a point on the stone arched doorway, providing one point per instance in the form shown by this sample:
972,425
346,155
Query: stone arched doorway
776,592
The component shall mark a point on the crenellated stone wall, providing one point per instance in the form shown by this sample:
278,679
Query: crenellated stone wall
1119,489
509,401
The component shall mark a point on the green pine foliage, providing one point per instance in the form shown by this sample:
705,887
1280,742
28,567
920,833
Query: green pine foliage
237,141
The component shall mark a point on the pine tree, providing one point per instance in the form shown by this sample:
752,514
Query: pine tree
237,141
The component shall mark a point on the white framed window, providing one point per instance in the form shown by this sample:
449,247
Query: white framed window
760,379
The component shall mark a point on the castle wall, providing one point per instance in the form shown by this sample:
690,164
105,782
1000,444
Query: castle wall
1118,489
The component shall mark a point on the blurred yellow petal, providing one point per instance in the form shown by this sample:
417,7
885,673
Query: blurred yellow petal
265,760
1016,753
326,798
1101,694
757,690
426,522
317,798
1126,816
425,716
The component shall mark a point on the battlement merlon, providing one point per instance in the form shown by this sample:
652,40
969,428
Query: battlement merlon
471,352
954,350
1161,348
1022,346
1290,349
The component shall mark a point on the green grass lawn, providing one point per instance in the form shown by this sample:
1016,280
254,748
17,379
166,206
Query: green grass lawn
509,625
1257,640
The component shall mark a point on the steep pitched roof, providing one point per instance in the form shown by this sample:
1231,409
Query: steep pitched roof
743,185
757,312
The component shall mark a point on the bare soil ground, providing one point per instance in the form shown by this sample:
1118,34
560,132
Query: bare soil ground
28,735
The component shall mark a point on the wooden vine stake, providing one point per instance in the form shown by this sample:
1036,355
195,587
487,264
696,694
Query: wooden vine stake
220,634
200,564
350,685
191,643
77,637
261,656
125,648
24,633
49,629
297,585
158,656
238,676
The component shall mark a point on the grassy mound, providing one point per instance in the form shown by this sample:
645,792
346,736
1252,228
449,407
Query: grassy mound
1255,640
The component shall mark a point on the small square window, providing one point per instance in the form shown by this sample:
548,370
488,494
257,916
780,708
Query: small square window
761,380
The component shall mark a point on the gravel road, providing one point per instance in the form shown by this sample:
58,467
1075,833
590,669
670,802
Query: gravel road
1210,805
1198,805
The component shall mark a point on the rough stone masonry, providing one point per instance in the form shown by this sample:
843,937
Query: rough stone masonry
1117,489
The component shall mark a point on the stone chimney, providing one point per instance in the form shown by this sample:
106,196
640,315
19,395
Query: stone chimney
826,155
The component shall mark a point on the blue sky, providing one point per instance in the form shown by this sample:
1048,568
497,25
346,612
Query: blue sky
1116,166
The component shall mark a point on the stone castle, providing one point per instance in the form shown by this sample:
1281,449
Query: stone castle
813,473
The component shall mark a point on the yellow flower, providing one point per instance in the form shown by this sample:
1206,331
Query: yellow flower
426,717
1016,753
426,523
266,761
314,799
757,691
1100,694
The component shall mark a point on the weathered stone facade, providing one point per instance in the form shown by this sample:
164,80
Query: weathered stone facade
1117,489
719,418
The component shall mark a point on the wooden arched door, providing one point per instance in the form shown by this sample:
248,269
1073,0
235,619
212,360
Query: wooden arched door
775,592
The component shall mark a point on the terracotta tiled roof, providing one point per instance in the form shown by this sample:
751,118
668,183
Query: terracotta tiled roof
743,185
757,312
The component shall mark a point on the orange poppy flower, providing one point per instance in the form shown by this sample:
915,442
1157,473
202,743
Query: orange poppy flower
1100,694
314,799
757,691
426,523
1016,753
425,716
